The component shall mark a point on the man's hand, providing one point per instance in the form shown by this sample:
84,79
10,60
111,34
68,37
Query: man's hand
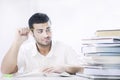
22,35
61,69
55,69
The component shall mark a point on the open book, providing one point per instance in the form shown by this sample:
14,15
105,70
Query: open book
39,74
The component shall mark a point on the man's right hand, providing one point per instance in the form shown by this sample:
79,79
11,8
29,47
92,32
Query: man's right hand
9,63
22,35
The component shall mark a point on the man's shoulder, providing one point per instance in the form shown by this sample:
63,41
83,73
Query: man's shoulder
28,45
58,43
61,44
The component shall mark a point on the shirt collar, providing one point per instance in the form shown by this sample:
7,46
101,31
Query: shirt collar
35,51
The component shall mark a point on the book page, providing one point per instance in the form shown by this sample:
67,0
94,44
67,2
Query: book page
39,74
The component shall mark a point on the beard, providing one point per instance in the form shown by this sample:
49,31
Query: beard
43,45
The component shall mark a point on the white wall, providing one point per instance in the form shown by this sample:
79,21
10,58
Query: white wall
75,19
71,19
13,14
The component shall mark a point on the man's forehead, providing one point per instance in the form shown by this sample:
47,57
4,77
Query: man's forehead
41,25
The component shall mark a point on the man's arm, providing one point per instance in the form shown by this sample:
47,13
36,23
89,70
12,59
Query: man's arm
60,69
74,69
9,63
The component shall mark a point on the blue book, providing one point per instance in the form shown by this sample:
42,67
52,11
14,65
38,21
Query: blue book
103,54
100,40
103,60
92,49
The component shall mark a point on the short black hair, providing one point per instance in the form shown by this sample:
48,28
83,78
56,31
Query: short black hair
37,18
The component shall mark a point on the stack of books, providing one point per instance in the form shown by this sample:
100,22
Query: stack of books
102,54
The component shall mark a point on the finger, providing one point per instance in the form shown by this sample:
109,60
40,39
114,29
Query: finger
27,30
52,71
48,70
44,69
55,71
23,31
20,31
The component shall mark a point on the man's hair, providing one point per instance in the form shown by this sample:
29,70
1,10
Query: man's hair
37,18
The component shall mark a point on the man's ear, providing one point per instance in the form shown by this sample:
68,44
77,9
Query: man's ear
31,32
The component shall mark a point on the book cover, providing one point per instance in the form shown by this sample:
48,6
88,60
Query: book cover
112,72
113,60
99,77
103,54
107,33
102,66
92,49
100,40
102,44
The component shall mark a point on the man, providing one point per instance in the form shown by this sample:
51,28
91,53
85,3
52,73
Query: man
43,55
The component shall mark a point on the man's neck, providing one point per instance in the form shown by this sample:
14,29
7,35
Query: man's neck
44,50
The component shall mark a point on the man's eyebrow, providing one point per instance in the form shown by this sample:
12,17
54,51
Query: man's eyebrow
48,27
32,29
39,29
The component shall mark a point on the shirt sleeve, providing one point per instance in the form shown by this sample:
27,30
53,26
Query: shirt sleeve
72,58
21,60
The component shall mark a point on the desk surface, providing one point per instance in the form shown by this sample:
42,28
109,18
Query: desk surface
39,76
34,76
46,78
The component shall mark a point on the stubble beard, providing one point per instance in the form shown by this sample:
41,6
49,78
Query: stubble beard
43,45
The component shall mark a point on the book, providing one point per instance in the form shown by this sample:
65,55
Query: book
99,77
92,49
102,66
102,44
103,54
107,33
103,60
115,72
100,40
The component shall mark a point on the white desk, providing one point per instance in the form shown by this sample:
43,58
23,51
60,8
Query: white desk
58,77
41,76
46,78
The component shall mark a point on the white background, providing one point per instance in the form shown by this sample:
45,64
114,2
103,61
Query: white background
72,20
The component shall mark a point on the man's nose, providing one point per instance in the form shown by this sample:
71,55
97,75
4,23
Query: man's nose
45,34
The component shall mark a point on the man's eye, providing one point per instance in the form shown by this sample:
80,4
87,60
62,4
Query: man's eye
48,30
40,31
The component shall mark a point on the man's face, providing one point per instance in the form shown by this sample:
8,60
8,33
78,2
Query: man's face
42,33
